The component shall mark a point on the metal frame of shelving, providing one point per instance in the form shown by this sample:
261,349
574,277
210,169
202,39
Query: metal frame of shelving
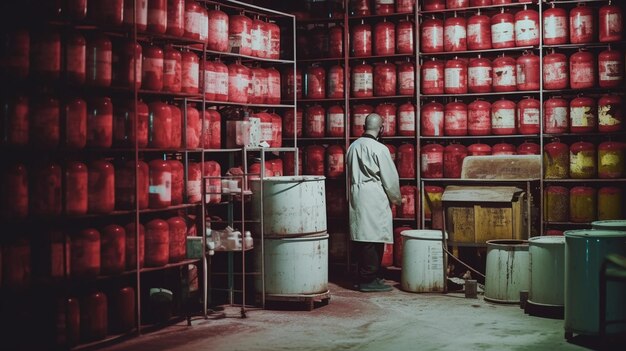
286,103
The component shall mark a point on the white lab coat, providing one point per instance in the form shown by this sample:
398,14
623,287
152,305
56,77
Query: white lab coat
374,183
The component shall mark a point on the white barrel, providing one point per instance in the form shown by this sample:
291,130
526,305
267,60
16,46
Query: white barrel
547,270
585,251
291,205
422,261
507,270
294,265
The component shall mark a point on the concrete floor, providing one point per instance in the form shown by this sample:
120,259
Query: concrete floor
370,321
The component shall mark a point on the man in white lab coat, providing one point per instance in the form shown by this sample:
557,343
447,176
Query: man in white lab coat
374,183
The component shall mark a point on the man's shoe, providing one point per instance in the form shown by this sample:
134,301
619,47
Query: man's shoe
374,286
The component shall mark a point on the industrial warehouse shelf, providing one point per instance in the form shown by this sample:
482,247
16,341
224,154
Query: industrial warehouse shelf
586,180
394,15
473,137
64,218
400,219
123,31
228,103
321,59
389,97
584,45
585,91
244,58
498,93
393,137
556,2
484,51
169,265
304,101
474,8
380,57
308,21
586,135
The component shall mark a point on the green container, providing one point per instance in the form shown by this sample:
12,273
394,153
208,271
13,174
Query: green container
584,253
619,224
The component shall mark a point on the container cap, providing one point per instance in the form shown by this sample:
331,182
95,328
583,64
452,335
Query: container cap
427,234
594,233
619,224
547,240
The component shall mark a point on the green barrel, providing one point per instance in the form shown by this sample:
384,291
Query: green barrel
619,224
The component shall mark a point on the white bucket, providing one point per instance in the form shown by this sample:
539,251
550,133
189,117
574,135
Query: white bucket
291,205
422,261
294,266
507,270
547,270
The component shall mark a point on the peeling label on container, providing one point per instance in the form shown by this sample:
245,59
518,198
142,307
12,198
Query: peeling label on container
610,70
503,118
555,71
191,75
363,81
454,35
504,76
479,76
553,27
558,117
502,32
433,36
453,77
582,117
530,115
526,30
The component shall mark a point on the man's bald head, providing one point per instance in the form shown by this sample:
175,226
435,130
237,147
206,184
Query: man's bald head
373,122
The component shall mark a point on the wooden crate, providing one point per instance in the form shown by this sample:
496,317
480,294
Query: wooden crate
475,214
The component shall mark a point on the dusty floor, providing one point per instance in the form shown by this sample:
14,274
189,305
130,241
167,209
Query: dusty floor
373,321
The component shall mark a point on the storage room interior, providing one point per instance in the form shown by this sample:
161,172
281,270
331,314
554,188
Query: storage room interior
312,175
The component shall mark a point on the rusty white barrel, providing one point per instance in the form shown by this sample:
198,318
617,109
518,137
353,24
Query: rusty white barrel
617,224
422,261
294,265
585,251
507,270
547,270
291,206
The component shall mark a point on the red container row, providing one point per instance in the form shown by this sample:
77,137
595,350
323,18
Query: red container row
329,161
479,32
480,75
583,70
91,252
583,114
94,62
380,7
582,204
434,5
100,188
583,160
505,30
183,19
98,124
388,39
438,161
384,79
331,122
480,117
